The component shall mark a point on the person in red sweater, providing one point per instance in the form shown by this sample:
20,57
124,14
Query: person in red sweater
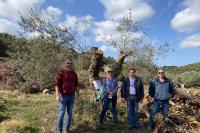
65,87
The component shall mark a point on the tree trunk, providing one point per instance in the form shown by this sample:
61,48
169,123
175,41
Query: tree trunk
95,65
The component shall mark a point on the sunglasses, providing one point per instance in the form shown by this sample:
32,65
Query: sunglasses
160,72
110,71
68,63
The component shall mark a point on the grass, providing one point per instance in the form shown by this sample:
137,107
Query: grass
37,113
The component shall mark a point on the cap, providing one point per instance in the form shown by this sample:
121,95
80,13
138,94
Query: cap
107,69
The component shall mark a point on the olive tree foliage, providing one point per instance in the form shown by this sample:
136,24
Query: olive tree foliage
42,55
34,21
132,35
38,63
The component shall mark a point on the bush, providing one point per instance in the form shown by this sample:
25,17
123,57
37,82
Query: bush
38,61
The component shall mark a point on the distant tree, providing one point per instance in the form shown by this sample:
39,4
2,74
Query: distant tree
48,44
108,60
6,42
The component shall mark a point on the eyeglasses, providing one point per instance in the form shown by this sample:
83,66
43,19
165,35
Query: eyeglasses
68,63
160,72
110,71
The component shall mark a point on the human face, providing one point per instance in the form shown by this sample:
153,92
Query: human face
68,64
161,73
131,73
109,74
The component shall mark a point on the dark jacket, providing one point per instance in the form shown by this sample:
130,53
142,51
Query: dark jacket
138,87
161,91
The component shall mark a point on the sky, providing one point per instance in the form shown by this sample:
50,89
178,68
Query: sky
174,21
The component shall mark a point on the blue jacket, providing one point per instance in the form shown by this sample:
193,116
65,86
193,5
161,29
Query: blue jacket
161,91
125,90
112,86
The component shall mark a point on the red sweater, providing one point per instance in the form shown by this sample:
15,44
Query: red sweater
66,81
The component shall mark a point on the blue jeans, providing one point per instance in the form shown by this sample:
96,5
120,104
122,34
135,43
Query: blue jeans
132,111
164,105
106,102
66,101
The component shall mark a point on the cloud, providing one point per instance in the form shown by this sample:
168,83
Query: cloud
115,9
107,30
7,26
10,9
56,12
107,48
192,41
70,21
81,24
105,27
188,19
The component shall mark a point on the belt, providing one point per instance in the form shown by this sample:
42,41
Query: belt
163,100
132,94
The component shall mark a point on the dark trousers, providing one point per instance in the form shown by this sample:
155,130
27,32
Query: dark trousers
132,111
164,105
106,102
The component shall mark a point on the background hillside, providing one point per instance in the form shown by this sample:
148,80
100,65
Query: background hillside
188,74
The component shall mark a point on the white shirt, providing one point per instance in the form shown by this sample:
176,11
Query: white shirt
132,87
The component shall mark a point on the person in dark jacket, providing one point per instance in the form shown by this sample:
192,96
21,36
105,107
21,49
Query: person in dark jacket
162,90
133,92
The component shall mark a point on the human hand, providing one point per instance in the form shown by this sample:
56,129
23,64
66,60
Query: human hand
58,98
110,94
123,100
141,101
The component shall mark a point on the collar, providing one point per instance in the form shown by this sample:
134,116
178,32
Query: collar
165,79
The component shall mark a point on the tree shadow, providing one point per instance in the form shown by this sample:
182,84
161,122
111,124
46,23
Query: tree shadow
28,129
107,127
2,117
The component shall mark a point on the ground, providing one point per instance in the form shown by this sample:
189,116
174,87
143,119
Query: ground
37,113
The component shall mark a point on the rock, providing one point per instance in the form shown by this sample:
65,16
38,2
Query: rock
45,91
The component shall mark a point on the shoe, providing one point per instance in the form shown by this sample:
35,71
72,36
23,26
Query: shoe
68,131
100,123
136,127
114,121
130,127
152,127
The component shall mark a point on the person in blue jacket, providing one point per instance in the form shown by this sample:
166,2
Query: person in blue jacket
162,90
110,87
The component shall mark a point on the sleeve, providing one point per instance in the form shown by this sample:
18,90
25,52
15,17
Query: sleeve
76,80
58,79
142,89
151,88
123,89
104,85
172,89
115,89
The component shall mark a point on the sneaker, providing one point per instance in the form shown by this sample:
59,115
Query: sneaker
130,127
100,123
68,131
152,127
136,127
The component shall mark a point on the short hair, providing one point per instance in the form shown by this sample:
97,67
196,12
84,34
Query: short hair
68,60
161,68
132,69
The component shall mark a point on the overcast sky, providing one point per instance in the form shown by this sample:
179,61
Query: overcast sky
173,21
